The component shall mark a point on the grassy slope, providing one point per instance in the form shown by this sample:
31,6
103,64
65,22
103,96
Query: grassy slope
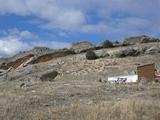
78,101
77,98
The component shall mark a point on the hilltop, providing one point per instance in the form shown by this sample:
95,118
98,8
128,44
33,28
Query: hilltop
45,83
73,62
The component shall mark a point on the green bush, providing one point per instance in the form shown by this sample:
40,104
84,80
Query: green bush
107,44
90,55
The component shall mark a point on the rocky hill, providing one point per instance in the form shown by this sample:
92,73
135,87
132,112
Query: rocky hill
47,84
73,63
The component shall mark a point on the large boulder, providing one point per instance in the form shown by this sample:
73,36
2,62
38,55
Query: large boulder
49,75
38,51
152,50
139,39
125,53
82,46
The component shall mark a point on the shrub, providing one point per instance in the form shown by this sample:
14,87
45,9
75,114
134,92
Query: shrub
107,44
146,40
90,55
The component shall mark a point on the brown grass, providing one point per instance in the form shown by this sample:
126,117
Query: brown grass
122,110
105,102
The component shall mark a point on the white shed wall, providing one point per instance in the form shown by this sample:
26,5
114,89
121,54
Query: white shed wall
129,78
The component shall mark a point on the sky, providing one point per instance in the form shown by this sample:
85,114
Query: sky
57,24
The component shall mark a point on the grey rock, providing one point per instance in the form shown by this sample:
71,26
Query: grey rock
101,53
139,39
125,53
81,46
36,55
152,50
49,75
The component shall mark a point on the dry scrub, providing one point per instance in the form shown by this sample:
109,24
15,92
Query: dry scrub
122,110
79,102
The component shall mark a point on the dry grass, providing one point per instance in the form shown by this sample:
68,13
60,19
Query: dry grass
85,101
122,110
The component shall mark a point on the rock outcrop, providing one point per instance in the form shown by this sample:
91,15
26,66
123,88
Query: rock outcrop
126,52
39,55
82,46
15,64
49,75
50,56
139,39
152,50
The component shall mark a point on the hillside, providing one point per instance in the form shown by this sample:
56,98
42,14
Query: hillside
46,84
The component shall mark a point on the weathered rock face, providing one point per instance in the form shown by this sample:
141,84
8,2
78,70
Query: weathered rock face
152,50
41,50
101,53
139,39
82,46
15,64
23,57
30,72
126,52
37,51
39,55
49,76
50,56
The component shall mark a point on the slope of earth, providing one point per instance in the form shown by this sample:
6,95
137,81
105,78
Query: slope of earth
77,93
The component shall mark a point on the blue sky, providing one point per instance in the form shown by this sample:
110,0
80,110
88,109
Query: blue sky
58,23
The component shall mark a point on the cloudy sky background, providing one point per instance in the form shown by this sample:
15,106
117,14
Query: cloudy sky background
58,23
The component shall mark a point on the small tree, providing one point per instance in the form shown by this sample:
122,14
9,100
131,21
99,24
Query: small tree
107,44
90,55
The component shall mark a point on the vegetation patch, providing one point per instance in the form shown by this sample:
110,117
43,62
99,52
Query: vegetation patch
91,55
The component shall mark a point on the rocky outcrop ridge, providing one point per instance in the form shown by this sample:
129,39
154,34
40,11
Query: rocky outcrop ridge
152,50
25,64
39,55
50,56
139,39
15,64
82,46
135,50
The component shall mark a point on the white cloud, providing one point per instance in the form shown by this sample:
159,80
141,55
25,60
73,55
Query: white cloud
72,20
99,28
13,42
79,15
14,32
27,34
10,45
57,16
116,18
